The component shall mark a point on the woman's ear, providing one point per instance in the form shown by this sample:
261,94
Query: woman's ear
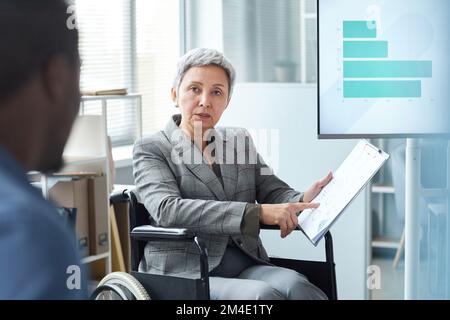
173,94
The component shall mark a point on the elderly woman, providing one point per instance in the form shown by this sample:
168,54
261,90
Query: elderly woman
212,181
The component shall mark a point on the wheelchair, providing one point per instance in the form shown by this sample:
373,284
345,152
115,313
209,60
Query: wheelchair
139,285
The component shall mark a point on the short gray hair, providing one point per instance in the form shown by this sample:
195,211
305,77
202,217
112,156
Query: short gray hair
201,57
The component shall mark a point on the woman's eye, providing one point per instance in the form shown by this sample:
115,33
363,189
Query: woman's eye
195,89
217,92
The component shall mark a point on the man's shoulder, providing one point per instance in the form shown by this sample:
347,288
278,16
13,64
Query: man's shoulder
16,195
23,206
39,248
26,213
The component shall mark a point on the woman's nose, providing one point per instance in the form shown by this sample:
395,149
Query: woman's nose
205,101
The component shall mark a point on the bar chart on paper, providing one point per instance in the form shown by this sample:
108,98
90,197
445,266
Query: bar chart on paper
384,67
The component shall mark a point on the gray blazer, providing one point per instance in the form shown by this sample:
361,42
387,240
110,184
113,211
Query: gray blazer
180,192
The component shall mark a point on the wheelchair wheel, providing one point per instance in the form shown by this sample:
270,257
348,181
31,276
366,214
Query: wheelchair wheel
119,286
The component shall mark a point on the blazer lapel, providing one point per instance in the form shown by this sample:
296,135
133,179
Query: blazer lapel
226,156
185,152
204,173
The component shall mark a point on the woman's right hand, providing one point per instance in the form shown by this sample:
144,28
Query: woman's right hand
284,215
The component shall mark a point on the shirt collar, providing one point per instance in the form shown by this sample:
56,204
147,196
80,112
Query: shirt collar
10,165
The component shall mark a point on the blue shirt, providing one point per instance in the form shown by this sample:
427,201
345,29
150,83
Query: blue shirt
38,255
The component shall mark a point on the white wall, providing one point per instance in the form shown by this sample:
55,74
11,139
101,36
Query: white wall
303,159
204,20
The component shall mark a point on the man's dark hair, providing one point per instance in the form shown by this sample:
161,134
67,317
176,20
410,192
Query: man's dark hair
31,32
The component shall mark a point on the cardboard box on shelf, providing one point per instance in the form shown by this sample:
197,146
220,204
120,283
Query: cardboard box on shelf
74,194
98,215
123,225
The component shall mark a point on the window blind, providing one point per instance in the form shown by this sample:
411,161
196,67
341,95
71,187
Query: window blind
157,53
132,44
266,40
105,48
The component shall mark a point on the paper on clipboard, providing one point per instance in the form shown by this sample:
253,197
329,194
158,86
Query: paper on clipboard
348,180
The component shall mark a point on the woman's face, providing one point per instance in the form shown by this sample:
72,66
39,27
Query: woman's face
202,97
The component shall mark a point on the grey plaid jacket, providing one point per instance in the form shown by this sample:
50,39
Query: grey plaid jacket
180,190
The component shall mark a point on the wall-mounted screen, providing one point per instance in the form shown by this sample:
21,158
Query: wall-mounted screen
384,68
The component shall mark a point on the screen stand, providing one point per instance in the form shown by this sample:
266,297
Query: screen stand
447,265
412,218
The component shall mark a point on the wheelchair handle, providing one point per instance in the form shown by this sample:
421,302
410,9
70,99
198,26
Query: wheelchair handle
329,247
119,197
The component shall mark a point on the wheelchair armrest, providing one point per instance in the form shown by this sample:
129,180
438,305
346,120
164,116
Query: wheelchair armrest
119,197
267,227
148,233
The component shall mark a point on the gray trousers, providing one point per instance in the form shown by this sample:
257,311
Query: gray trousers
263,282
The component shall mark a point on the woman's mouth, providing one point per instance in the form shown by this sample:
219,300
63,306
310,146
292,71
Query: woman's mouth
203,115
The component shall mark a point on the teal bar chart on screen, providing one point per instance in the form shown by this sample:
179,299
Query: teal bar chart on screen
388,69
384,62
365,49
384,68
382,89
360,29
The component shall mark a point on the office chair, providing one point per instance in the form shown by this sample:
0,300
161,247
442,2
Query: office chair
163,287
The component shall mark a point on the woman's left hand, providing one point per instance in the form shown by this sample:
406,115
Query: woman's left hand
315,189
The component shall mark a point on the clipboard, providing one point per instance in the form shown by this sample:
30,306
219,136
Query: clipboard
349,179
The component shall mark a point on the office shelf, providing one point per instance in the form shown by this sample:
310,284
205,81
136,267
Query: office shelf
83,160
86,157
383,189
380,191
87,152
111,97
385,243
90,259
105,109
